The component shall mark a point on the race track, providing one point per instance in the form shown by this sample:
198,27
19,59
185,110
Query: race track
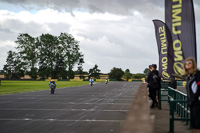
100,108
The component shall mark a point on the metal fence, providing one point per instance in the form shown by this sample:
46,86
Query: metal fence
179,111
163,94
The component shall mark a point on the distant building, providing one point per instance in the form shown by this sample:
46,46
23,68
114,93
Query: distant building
76,77
2,76
26,77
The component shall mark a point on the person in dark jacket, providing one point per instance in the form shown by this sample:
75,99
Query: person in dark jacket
193,92
150,69
154,84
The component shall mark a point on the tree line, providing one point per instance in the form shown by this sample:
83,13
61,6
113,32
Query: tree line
52,56
46,56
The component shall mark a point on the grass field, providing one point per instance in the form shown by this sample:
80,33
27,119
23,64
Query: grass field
8,87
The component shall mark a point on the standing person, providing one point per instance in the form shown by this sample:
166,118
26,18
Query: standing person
91,81
154,84
193,92
150,69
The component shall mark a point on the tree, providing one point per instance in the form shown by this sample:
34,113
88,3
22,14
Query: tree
15,67
94,72
48,47
138,76
71,51
48,55
60,68
28,51
80,68
146,71
116,73
58,55
127,75
2,72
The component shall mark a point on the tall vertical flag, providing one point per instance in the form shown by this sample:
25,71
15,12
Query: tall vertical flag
164,49
179,17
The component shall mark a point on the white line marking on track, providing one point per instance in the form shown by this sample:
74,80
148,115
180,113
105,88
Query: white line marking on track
59,120
125,84
70,103
66,98
89,110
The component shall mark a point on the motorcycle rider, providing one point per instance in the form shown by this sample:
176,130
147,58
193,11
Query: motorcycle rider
52,85
106,80
91,81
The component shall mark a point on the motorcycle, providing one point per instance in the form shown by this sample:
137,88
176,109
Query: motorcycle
106,81
91,83
52,87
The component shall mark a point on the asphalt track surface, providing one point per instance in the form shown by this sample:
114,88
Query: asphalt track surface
100,108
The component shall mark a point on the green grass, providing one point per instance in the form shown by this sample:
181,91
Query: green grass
8,87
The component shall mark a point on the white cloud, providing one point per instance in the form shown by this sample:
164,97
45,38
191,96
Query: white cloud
112,33
7,43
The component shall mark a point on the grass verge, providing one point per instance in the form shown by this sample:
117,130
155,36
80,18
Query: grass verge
8,87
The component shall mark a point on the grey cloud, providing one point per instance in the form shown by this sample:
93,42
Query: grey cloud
196,2
5,30
123,32
123,7
126,50
10,29
57,28
16,26
134,62
13,27
3,55
128,41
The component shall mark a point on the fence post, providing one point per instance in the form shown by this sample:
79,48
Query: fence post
171,122
187,116
160,100
169,94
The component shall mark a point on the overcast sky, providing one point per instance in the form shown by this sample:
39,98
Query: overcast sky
112,33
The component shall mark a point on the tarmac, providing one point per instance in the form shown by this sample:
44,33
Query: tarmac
101,108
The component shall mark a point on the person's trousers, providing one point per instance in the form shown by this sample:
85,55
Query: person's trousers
152,95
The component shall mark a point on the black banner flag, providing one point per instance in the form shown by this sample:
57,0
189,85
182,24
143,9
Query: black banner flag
179,17
164,49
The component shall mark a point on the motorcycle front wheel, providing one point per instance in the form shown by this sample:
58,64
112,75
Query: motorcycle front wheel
52,91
